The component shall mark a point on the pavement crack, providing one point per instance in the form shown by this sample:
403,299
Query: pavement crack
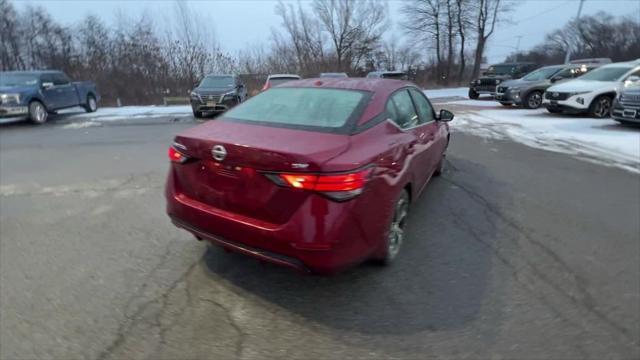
584,300
130,321
240,341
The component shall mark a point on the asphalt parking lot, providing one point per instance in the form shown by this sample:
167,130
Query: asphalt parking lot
514,252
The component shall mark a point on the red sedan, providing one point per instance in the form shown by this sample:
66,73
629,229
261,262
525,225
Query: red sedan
315,174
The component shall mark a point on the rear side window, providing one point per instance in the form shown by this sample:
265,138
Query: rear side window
402,111
425,111
47,78
60,79
305,107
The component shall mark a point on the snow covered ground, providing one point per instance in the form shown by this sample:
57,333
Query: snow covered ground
127,112
602,141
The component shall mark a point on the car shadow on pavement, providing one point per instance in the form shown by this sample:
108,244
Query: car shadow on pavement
438,282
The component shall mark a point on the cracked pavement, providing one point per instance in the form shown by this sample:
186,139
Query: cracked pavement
513,253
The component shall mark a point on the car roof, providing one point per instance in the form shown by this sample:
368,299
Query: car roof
388,72
32,72
273,76
381,89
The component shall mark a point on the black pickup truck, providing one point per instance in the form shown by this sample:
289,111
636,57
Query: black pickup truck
496,74
34,94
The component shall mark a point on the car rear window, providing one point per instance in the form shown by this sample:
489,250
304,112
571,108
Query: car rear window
300,107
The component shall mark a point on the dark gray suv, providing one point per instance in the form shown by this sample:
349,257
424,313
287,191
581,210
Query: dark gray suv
527,91
217,93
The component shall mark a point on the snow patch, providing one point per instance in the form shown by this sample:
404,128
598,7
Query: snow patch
603,141
461,92
81,125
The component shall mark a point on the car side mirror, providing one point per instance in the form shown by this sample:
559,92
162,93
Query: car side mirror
46,85
445,115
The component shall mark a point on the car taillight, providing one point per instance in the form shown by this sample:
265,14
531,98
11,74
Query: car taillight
176,156
338,187
266,86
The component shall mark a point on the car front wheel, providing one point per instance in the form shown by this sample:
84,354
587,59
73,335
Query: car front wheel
37,112
533,100
600,107
473,94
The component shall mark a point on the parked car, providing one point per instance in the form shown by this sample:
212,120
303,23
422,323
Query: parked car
527,91
277,79
334,75
626,106
33,95
216,94
592,93
496,74
399,75
312,175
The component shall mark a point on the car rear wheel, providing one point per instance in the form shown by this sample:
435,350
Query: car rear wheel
91,104
473,94
37,112
197,114
396,232
533,100
600,107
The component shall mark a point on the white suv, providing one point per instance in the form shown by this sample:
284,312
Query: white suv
592,92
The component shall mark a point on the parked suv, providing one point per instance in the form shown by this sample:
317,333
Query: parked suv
527,91
217,93
495,75
34,94
626,106
592,93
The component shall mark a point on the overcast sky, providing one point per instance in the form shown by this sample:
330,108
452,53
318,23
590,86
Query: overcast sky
243,23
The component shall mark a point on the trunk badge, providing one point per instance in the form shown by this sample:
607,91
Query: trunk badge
299,166
219,152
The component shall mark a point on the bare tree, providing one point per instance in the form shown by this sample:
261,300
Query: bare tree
354,27
423,21
487,14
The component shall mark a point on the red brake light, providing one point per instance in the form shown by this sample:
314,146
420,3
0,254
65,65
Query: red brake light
176,156
338,187
266,86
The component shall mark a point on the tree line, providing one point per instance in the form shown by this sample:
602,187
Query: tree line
140,60
595,36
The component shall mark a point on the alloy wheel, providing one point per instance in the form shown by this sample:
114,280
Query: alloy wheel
535,100
396,232
603,107
39,114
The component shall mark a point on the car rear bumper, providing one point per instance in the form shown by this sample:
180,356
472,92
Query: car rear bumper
14,111
321,236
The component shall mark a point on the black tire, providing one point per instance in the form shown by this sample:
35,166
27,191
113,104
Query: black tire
600,107
554,111
533,100
91,104
37,112
197,114
505,104
473,94
396,229
441,165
